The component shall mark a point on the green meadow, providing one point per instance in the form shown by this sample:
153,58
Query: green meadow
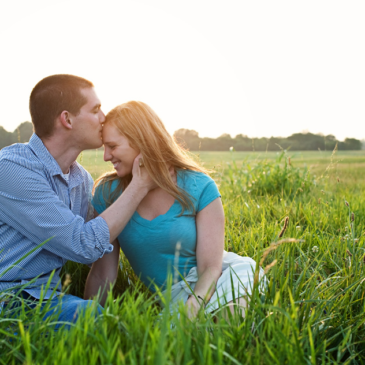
298,214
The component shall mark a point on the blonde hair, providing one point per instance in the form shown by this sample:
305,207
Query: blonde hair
146,132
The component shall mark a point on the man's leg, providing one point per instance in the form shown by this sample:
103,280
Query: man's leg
69,308
65,308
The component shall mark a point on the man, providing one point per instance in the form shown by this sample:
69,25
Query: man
45,193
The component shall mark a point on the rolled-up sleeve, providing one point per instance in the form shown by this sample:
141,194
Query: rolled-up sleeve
30,205
101,232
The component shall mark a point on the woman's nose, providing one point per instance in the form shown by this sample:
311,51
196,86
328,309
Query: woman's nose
107,155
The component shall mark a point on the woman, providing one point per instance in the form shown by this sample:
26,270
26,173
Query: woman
178,228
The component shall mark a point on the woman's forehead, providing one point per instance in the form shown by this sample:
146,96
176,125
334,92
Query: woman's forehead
111,133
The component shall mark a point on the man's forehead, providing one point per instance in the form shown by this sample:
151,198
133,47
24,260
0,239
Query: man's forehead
91,96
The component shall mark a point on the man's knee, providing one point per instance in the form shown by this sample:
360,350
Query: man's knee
70,308
85,304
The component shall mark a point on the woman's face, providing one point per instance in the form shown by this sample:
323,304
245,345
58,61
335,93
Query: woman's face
117,150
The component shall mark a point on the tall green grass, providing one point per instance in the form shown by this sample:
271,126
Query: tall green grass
312,311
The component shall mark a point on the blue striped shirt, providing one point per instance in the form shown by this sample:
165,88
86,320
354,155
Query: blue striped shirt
36,203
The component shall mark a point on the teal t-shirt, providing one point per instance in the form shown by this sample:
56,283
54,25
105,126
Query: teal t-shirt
166,244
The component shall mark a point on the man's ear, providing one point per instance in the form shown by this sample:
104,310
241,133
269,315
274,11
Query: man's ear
65,119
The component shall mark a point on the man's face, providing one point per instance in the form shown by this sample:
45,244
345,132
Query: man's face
87,125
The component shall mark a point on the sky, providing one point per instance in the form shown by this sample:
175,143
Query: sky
259,68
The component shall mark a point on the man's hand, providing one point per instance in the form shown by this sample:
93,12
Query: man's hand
141,178
121,211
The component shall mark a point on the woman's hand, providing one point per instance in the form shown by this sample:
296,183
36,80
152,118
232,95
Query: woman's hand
193,306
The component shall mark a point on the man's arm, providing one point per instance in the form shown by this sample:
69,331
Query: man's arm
121,211
30,206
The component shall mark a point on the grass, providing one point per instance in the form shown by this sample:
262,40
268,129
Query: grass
312,312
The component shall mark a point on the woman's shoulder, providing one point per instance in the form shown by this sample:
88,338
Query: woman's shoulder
106,186
105,192
192,177
195,182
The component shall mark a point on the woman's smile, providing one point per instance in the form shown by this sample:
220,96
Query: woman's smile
117,150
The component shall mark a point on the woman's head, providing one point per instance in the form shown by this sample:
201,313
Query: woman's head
136,123
132,128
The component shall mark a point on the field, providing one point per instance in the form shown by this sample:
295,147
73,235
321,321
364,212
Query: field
311,312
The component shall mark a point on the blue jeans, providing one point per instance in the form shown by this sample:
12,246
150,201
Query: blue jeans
65,309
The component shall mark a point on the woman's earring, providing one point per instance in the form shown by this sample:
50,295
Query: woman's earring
141,164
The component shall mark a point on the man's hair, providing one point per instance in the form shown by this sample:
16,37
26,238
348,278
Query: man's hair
51,96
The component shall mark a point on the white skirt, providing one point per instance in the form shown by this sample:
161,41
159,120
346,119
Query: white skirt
236,281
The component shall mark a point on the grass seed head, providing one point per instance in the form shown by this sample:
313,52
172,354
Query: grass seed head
270,266
286,222
352,217
67,282
273,246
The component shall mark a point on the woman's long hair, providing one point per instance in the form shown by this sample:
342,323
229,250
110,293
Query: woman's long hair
145,132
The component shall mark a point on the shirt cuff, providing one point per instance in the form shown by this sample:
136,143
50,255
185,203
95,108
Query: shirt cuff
102,234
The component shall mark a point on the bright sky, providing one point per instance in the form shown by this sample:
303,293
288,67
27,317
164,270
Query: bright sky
259,68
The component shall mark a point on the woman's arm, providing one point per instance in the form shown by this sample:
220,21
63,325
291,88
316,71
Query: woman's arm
103,273
209,252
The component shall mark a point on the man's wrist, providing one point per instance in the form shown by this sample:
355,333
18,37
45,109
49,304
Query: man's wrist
137,188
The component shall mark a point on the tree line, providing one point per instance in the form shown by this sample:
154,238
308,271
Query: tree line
191,140
21,134
296,142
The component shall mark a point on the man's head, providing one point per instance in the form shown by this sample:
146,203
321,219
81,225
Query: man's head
71,100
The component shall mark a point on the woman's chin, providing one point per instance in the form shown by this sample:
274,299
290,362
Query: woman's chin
123,173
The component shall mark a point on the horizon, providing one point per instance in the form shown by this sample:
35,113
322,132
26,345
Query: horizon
242,68
233,136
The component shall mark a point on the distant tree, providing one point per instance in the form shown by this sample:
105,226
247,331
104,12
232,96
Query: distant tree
6,138
188,138
296,142
20,135
330,142
23,132
224,142
242,143
350,144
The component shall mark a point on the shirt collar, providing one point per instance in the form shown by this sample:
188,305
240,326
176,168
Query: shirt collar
41,151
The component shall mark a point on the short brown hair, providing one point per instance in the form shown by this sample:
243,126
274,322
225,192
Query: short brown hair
51,96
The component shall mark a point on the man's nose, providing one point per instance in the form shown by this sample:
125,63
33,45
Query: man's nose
102,117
